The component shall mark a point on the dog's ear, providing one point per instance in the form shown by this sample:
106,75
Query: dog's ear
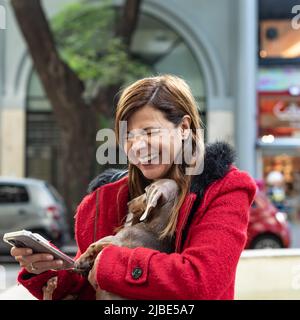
146,213
152,201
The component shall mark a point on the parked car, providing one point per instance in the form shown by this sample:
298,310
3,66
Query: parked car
268,227
33,205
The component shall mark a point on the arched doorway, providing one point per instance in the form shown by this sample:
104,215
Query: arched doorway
42,135
167,52
155,43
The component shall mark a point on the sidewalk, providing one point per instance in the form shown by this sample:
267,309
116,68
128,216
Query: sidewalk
16,292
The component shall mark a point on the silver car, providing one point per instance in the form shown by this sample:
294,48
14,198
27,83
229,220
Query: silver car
33,205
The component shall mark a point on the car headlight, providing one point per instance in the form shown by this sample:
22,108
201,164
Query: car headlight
281,217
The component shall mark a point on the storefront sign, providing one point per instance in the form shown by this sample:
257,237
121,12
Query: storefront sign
278,79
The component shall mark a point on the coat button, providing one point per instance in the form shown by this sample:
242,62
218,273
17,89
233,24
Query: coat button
136,273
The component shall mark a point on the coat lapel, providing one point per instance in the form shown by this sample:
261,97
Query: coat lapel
182,218
112,207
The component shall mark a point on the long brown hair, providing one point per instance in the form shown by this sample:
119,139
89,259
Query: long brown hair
172,96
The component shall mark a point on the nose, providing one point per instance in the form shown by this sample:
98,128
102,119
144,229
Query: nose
139,146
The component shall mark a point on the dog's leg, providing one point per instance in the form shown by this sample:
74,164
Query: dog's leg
85,262
105,295
48,290
50,287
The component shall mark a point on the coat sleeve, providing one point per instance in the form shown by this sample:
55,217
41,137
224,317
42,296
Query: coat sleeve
205,269
68,281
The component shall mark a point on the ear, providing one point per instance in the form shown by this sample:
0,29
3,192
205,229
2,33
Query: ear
152,203
185,126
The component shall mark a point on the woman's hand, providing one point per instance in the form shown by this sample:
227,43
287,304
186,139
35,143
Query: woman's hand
35,263
92,273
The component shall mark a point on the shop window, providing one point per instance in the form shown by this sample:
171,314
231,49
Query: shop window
279,115
278,102
288,164
278,39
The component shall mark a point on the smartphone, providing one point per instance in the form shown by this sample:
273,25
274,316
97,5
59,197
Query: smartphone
38,244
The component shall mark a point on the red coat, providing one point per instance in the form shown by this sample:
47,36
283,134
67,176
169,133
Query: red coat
203,268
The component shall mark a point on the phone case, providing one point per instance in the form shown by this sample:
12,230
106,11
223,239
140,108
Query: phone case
38,244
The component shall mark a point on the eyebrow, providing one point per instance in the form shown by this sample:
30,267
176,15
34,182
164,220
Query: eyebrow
147,128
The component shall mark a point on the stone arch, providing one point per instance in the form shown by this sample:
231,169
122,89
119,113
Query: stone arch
198,43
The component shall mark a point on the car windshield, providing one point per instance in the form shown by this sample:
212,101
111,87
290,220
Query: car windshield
41,195
54,193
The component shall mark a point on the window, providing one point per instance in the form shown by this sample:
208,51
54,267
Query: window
10,193
279,115
279,102
54,193
165,51
288,163
278,39
279,33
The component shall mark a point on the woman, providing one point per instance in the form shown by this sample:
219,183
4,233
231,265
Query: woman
209,223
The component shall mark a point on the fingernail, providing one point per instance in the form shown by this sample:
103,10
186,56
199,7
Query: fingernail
28,251
49,258
59,262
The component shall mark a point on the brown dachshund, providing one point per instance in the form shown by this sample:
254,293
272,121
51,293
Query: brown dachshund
147,217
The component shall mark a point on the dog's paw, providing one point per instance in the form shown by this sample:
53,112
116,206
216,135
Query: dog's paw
48,290
85,262
83,265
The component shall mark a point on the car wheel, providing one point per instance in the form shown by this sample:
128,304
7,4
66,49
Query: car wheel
267,241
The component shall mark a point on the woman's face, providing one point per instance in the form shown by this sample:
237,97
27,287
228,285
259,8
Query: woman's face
153,142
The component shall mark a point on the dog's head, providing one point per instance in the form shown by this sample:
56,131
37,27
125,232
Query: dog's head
158,194
137,205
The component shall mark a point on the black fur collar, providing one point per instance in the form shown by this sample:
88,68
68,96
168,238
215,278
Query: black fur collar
219,156
217,160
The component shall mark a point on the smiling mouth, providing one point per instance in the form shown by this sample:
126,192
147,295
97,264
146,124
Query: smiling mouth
147,159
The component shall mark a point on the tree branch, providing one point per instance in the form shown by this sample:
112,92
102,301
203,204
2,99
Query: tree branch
63,87
104,99
129,20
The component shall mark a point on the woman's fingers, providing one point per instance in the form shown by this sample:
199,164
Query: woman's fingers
35,263
42,266
35,257
14,251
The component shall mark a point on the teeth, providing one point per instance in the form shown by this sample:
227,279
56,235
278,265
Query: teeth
148,158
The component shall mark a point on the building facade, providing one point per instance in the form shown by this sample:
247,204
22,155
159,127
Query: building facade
278,107
212,44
